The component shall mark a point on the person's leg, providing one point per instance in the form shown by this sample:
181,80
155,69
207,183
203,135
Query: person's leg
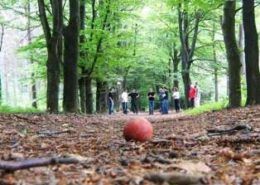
152,106
166,106
136,108
109,107
112,107
163,107
176,105
192,102
124,107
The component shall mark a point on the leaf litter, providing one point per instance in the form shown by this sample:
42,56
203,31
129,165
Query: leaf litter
205,149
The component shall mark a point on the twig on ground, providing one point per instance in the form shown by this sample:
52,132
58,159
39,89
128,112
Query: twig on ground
175,178
215,132
36,162
49,133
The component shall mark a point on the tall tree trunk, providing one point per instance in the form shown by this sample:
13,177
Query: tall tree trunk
53,41
187,49
82,80
233,57
101,97
175,62
251,53
29,36
215,62
71,53
82,92
241,48
89,95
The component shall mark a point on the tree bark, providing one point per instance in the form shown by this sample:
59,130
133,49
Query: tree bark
251,53
175,62
71,53
89,95
53,40
215,62
29,36
101,97
233,57
82,80
82,92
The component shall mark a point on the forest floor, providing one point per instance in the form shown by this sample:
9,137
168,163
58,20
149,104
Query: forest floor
213,148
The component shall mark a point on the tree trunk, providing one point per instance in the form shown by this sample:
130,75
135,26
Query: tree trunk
82,92
71,52
215,62
89,97
241,48
251,53
29,36
82,80
187,48
53,39
233,57
175,62
101,97
53,80
187,82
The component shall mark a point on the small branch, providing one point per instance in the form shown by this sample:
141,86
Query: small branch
175,178
35,162
47,133
213,132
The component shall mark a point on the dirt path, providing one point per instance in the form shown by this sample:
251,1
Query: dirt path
180,149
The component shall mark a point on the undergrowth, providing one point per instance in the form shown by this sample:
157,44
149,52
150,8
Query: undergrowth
208,107
9,109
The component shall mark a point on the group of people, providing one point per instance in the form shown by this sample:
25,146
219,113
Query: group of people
163,98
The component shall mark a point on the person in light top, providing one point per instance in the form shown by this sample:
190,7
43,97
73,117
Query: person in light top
192,95
176,97
124,98
197,98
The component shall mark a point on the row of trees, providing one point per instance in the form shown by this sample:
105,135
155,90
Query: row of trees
110,42
78,53
190,19
233,53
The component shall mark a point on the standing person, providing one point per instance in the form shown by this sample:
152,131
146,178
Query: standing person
192,95
151,95
176,97
110,103
124,98
165,101
134,96
161,98
197,98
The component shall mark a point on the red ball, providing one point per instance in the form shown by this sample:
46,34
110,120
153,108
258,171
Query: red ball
138,129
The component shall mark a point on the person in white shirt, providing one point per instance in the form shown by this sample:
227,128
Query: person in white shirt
197,98
124,98
176,97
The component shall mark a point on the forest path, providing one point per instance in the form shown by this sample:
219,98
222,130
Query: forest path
180,146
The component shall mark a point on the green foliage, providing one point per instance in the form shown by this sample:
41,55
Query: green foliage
208,107
8,109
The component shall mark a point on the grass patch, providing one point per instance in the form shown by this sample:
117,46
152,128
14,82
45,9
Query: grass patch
8,109
208,107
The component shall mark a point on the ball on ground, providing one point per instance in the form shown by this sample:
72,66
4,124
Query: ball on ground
138,129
